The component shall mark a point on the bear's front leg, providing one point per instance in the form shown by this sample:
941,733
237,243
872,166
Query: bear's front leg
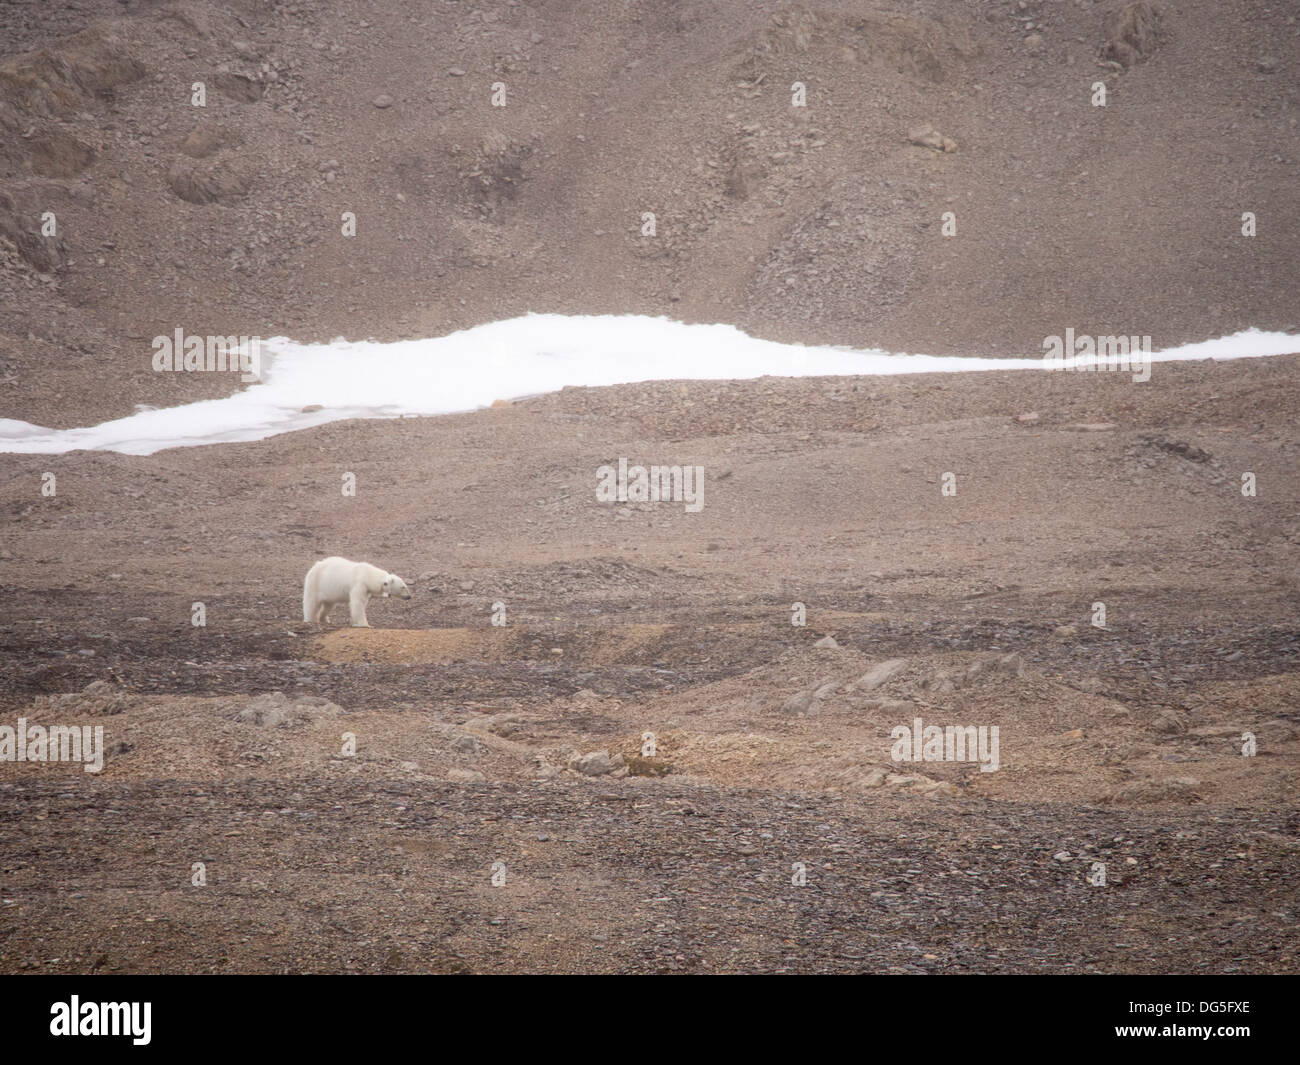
357,603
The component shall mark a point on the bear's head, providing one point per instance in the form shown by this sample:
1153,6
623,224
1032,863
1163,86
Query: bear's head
394,585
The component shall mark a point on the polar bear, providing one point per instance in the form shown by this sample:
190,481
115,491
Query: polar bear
336,580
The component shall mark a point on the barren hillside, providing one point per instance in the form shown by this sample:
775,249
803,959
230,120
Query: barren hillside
820,223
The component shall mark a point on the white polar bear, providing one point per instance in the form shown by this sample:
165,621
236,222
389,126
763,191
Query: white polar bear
336,580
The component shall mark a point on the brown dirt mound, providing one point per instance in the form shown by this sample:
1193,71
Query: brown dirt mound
43,253
218,182
67,76
1133,33
620,644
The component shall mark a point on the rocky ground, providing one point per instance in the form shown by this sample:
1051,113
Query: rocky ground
523,743
443,794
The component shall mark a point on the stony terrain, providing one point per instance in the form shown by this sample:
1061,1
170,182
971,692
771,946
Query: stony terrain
473,744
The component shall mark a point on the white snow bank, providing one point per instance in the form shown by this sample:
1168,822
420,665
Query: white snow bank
505,360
